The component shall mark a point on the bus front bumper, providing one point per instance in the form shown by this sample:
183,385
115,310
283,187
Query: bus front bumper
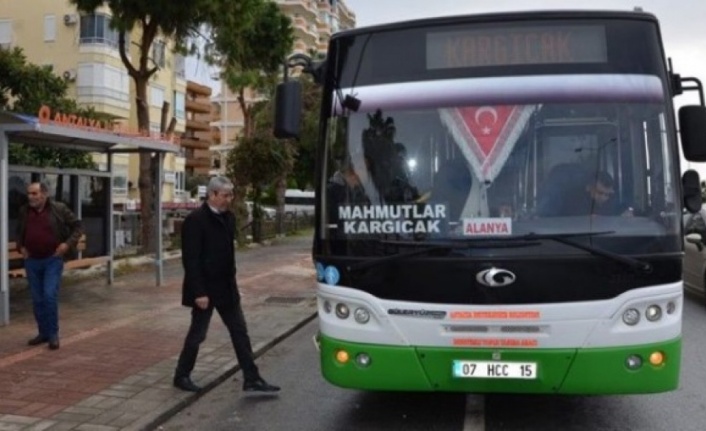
562,371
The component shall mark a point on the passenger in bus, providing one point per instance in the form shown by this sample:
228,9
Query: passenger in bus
597,197
503,209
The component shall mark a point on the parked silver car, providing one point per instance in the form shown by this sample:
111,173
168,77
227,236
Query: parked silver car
694,265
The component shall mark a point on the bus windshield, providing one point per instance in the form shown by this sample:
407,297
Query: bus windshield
480,158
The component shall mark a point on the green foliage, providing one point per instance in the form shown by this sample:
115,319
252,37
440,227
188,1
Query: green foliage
24,88
192,182
304,168
258,161
253,54
259,45
303,151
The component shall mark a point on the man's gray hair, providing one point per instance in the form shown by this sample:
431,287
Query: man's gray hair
43,186
219,184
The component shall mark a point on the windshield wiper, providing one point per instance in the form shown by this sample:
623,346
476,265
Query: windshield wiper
566,239
431,246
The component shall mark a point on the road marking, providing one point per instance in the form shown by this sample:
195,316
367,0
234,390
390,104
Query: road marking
474,418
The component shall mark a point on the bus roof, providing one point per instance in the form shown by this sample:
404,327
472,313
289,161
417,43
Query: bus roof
500,16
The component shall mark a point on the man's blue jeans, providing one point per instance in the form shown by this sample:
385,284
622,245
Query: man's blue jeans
44,277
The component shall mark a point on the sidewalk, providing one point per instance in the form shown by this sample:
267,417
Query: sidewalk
119,343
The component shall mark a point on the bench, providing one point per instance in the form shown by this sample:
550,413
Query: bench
14,254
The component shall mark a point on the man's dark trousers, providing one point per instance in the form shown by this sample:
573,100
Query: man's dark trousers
44,278
233,319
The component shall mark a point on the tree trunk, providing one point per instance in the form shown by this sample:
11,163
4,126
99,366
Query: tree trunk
247,126
280,188
256,216
147,171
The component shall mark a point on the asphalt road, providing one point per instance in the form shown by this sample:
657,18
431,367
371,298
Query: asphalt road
307,402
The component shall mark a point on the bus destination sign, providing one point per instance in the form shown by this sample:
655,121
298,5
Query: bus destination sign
513,46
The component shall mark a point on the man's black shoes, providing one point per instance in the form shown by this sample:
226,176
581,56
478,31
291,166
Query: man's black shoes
39,339
259,385
185,384
54,343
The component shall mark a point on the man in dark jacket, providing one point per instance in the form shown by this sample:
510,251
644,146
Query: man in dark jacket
46,231
208,257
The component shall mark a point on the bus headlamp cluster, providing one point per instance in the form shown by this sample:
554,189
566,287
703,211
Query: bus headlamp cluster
343,311
653,313
634,361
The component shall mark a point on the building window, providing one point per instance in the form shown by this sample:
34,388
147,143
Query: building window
95,28
49,28
156,96
159,49
5,33
180,66
178,104
180,181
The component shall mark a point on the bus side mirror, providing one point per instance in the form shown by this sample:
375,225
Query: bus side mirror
288,110
692,131
691,187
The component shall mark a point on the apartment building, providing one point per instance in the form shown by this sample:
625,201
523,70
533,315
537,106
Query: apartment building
197,138
314,22
84,50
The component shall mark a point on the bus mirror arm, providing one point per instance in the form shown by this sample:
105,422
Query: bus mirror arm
678,87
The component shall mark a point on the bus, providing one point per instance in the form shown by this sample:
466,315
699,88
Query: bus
499,203
299,202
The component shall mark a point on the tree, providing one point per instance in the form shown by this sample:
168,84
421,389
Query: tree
253,54
257,162
179,21
24,88
305,163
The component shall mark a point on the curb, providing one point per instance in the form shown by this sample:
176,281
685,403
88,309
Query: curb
182,404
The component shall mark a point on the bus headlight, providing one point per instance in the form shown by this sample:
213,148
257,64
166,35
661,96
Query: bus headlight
342,311
363,360
653,313
327,306
633,362
631,316
361,315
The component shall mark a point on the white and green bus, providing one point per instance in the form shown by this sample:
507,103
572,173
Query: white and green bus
499,204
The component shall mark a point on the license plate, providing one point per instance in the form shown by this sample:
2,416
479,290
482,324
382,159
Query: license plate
495,370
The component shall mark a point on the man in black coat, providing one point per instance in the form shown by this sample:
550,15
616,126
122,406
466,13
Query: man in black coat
208,257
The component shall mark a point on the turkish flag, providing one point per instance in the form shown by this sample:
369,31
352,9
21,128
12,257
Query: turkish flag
486,135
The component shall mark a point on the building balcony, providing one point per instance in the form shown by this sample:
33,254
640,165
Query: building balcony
197,106
197,125
324,29
305,35
198,162
305,8
195,143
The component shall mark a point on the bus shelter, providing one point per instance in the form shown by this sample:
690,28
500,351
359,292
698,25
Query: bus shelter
59,130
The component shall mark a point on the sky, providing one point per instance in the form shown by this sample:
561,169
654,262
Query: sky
683,29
